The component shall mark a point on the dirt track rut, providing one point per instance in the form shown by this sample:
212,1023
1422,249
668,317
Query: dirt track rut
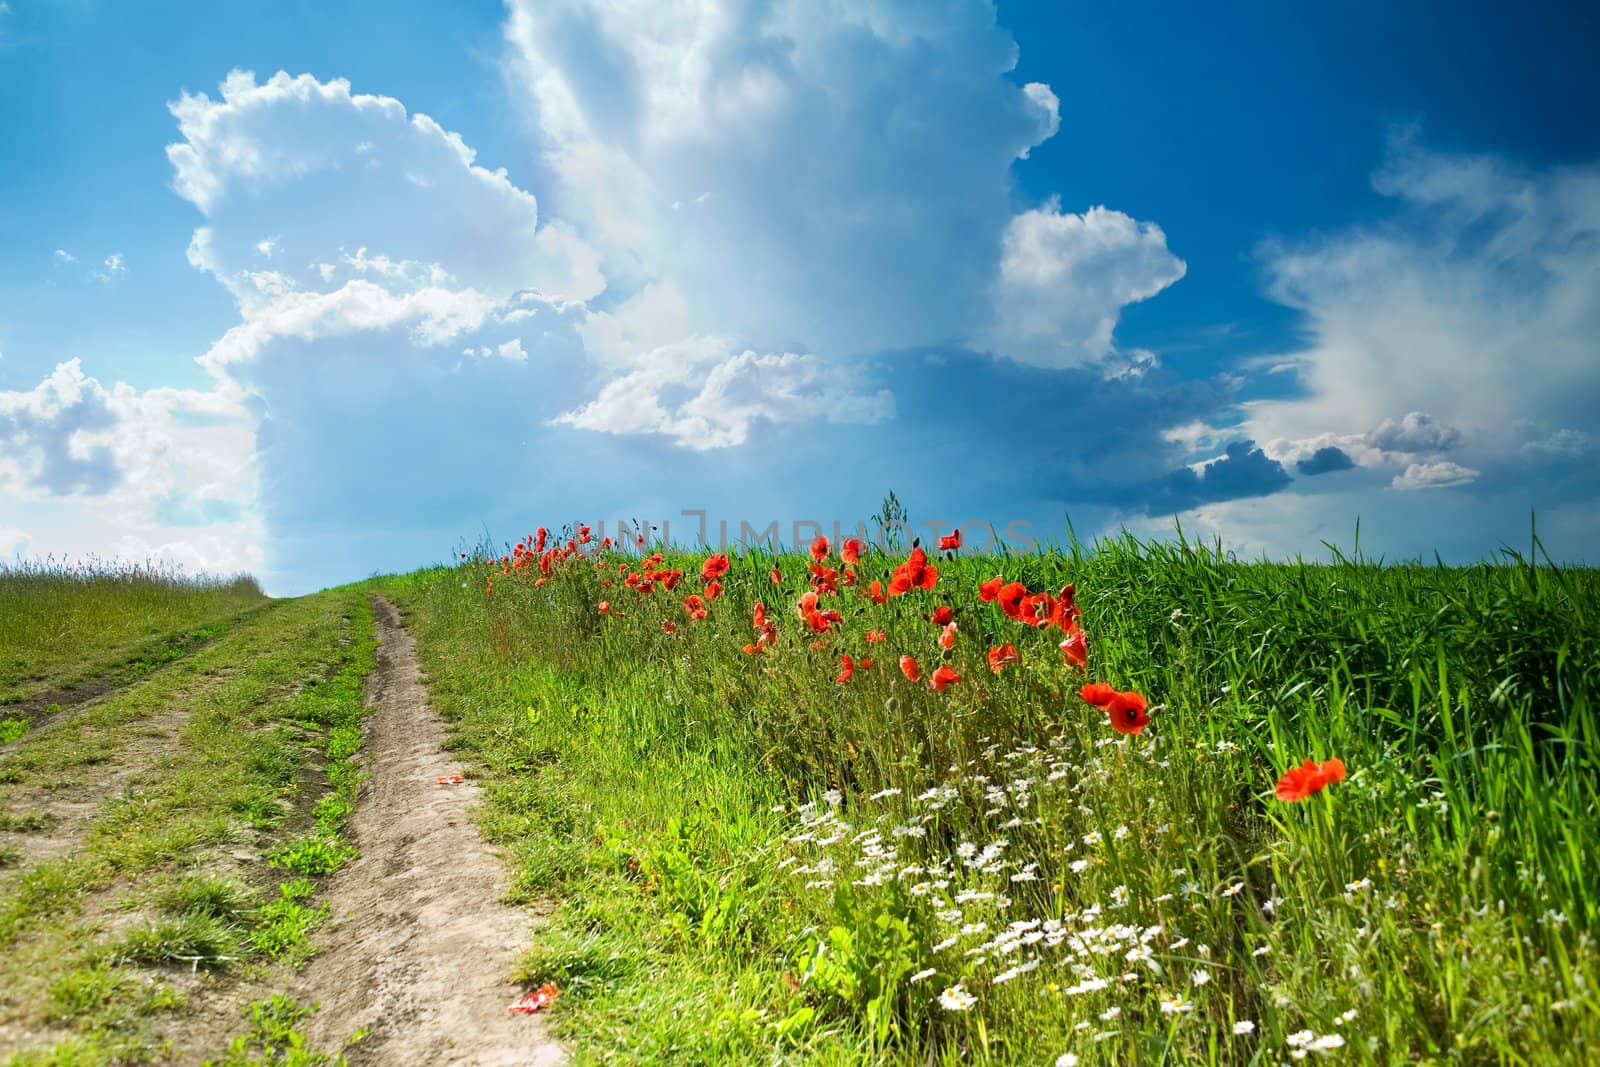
419,945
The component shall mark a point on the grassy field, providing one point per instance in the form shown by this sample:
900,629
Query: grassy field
89,624
753,858
175,827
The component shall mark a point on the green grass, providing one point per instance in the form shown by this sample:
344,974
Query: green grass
247,714
65,623
715,902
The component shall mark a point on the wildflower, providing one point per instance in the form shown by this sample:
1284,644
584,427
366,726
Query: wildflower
947,640
1075,650
910,669
776,575
714,567
921,976
876,594
713,590
604,607
849,668
1001,656
943,678
950,542
873,636
1200,977
956,999
1243,1028
851,550
987,591
668,626
1176,1005
914,573
1127,713
545,995
819,549
1066,1059
1309,778
1097,693
1010,598
942,615
695,605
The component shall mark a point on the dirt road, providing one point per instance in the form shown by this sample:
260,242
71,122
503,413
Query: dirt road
419,945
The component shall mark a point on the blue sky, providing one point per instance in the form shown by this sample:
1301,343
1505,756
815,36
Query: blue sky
316,293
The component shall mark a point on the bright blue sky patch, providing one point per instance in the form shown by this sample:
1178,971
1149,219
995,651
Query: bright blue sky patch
316,292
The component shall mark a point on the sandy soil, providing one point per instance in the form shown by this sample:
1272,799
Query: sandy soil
419,945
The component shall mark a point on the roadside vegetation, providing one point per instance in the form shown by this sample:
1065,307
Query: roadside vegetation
1070,830
175,828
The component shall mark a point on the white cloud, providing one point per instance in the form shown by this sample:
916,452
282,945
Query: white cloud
722,397
435,316
1434,474
1474,304
1063,280
63,257
1416,432
850,163
401,190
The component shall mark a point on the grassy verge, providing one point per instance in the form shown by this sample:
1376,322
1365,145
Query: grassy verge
174,873
69,625
753,861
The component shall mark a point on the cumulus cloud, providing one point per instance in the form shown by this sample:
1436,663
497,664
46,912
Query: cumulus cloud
1416,432
1472,307
396,194
721,397
1064,279
1325,460
52,436
851,163
63,258
1243,470
1434,474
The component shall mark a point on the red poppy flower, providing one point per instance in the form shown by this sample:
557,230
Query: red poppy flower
987,591
942,615
874,635
713,590
849,668
947,640
714,567
760,616
876,594
777,576
605,607
1300,782
537,582
865,664
851,550
824,579
849,576
1011,597
1098,693
537,1000
914,573
1075,650
1002,656
1127,713
950,542
583,535
910,669
944,678
819,549
668,626
695,605
539,539
807,603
